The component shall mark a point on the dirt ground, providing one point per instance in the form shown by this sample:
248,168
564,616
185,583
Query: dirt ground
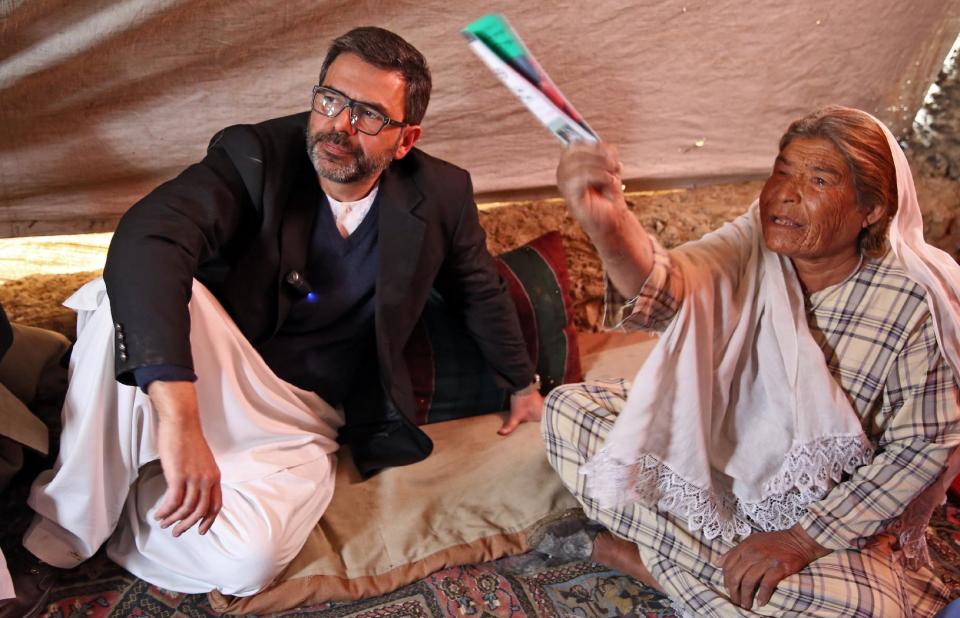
674,216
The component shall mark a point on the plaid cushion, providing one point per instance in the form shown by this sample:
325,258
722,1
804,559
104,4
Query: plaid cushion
450,377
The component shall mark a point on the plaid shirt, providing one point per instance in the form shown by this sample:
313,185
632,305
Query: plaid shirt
879,342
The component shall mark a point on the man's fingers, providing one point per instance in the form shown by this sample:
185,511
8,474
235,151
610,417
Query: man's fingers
172,498
216,503
199,511
509,425
190,497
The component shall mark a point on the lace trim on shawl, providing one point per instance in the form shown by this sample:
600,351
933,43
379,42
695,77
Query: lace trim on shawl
808,471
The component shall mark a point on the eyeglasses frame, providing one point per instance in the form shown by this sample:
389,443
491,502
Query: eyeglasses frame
351,105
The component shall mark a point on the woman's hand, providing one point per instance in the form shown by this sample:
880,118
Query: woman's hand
763,560
589,180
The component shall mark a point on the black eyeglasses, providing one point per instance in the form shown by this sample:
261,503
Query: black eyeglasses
363,118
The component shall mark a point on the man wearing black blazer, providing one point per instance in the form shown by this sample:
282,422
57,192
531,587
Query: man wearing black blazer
321,236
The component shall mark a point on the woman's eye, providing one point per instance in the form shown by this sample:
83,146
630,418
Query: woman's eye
820,182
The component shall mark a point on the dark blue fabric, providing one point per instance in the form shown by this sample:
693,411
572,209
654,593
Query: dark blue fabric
165,373
329,335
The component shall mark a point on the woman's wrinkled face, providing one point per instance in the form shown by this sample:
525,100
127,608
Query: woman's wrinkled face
808,206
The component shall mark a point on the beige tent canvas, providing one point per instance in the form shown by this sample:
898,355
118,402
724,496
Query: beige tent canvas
102,100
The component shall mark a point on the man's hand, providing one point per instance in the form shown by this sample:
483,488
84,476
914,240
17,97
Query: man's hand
192,475
525,405
763,560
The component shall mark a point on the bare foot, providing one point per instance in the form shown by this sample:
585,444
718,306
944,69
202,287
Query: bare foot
623,556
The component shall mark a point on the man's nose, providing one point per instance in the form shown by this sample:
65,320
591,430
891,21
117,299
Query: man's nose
344,121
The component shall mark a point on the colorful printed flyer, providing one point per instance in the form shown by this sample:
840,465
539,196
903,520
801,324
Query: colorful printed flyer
501,49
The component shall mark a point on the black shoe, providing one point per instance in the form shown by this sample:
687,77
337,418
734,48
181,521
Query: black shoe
395,443
32,581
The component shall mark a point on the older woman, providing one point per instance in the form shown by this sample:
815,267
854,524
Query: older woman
782,448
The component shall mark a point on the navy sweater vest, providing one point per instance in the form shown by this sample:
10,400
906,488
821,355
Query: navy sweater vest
329,336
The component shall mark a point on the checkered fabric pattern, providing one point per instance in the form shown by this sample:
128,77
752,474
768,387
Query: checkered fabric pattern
878,339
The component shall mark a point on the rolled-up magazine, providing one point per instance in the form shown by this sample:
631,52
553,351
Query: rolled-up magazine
501,49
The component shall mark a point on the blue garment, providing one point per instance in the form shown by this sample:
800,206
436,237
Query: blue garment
165,373
324,341
950,611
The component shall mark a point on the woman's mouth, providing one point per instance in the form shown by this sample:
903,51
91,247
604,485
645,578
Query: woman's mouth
785,222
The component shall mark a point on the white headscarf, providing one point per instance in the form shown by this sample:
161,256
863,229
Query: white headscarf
735,418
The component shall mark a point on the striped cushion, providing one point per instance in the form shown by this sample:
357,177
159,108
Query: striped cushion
450,377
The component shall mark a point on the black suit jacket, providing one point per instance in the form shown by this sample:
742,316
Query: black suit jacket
233,222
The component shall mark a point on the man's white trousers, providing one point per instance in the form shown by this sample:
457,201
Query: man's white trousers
274,444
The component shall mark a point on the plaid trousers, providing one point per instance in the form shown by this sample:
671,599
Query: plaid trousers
863,582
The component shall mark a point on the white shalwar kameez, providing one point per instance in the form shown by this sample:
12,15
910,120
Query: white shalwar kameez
274,444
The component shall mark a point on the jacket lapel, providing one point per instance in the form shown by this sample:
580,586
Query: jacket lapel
400,236
295,232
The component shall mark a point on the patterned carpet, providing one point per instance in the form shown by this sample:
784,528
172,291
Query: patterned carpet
521,586
530,585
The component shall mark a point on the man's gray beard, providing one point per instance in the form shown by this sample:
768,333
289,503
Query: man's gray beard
360,167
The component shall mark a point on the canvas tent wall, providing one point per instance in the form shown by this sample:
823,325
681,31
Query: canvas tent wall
101,100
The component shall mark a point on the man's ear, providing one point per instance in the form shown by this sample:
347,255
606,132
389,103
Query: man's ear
411,134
